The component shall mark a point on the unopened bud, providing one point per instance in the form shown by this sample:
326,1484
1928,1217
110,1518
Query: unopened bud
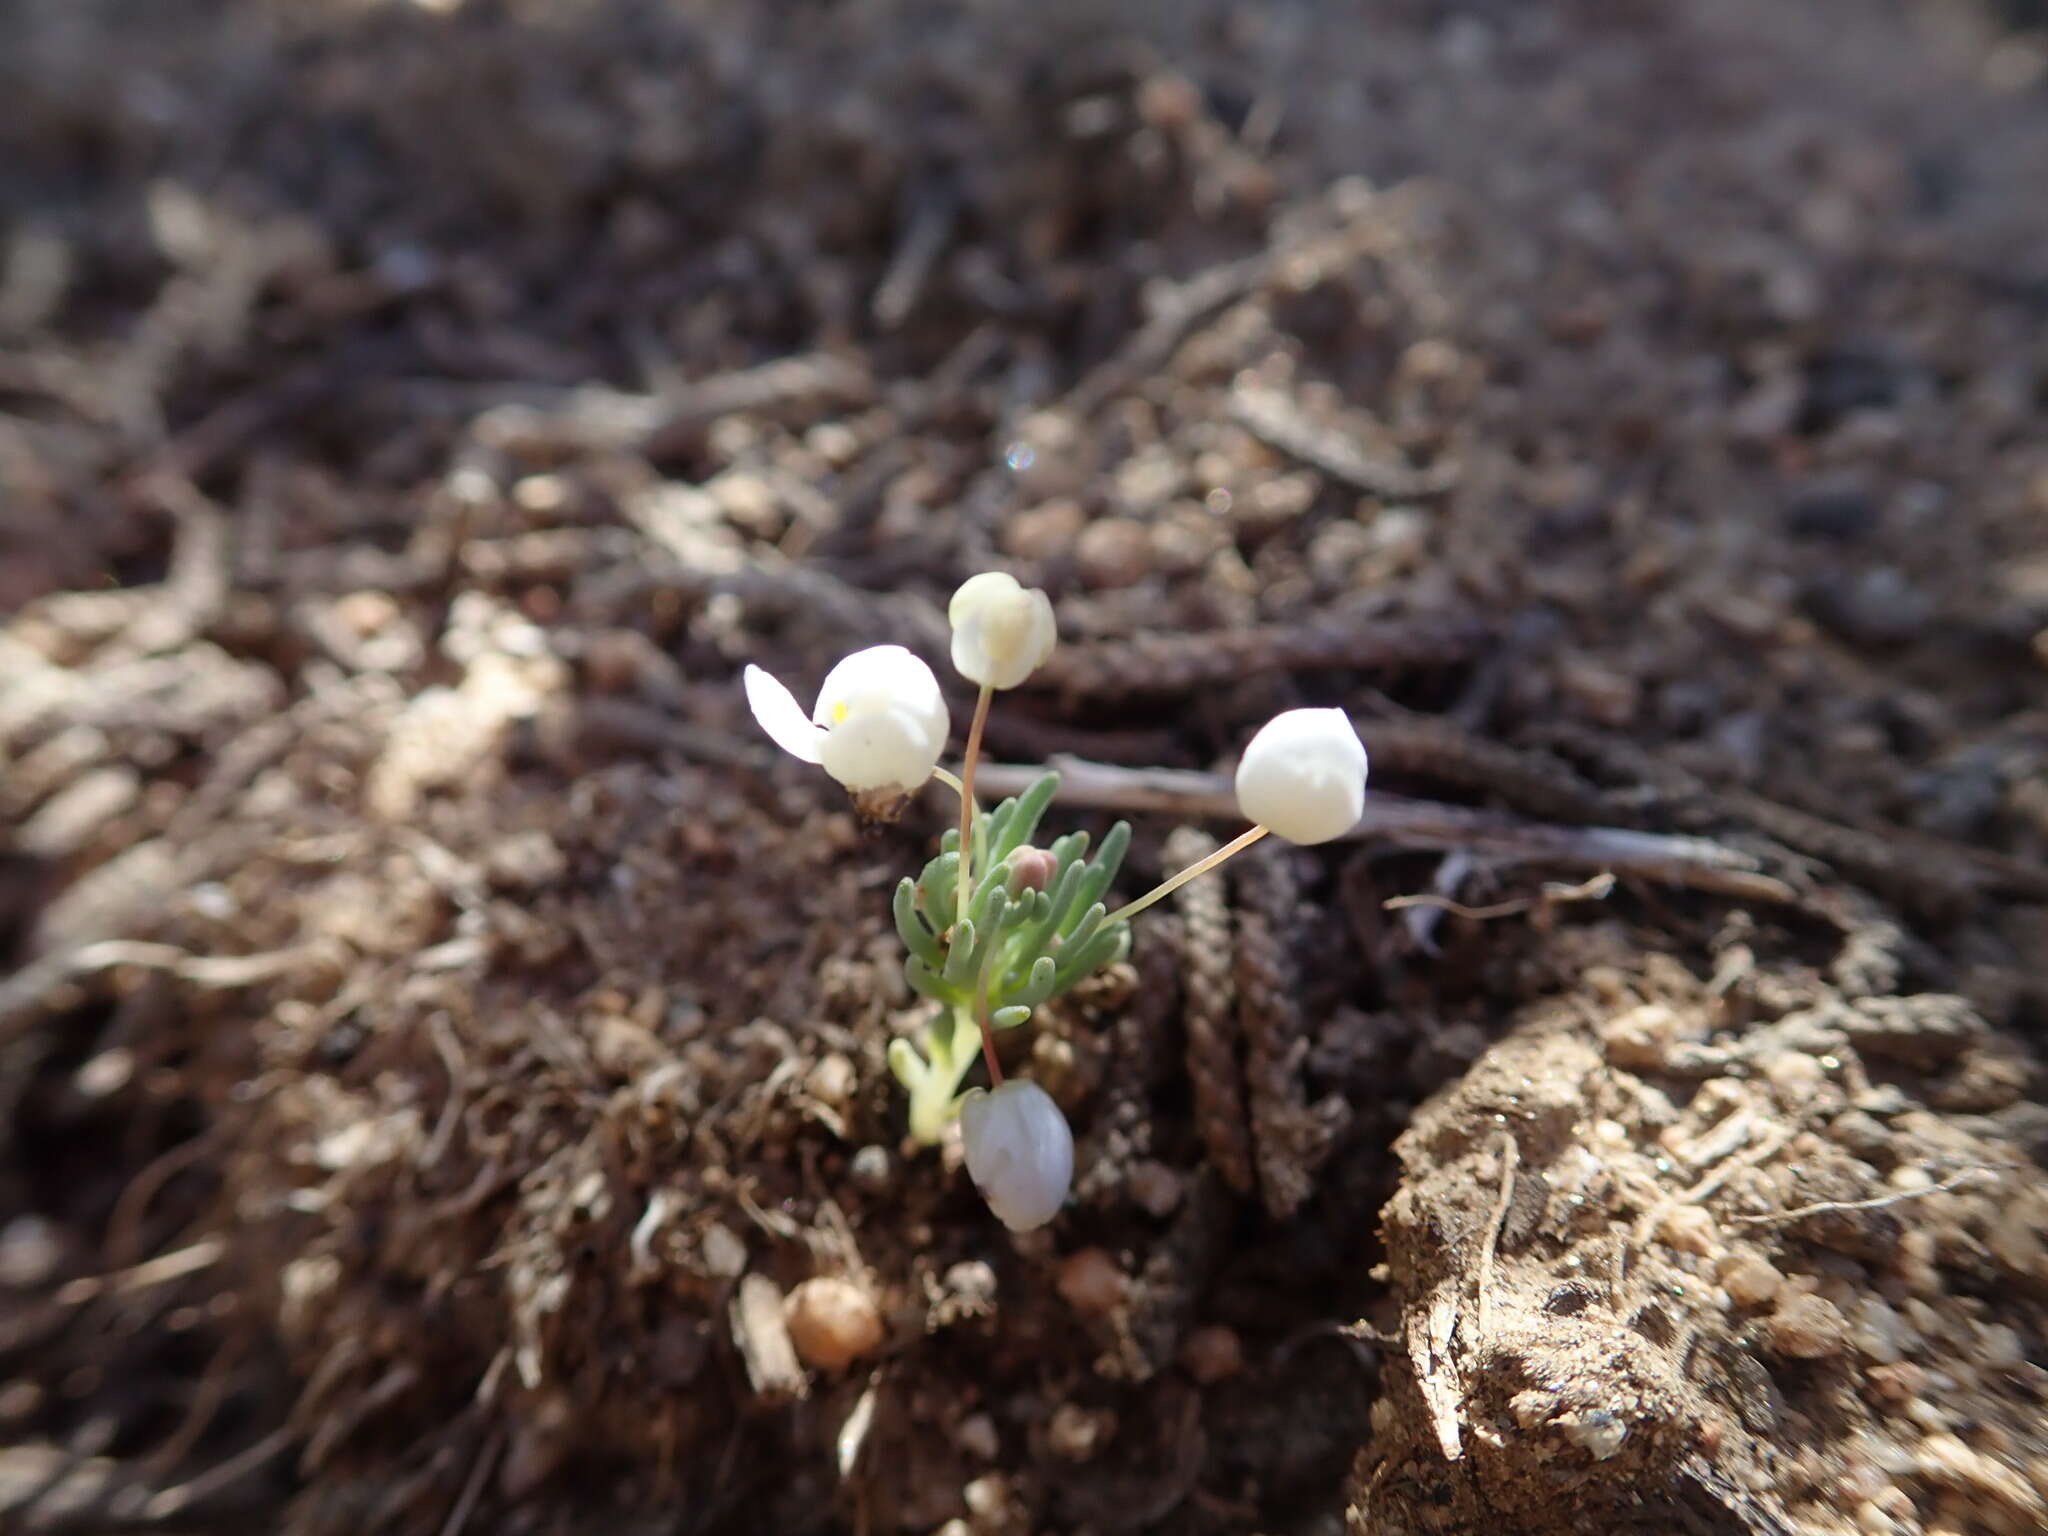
1030,869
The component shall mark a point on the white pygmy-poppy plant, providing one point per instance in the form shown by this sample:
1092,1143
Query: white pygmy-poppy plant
1303,775
1002,631
1020,1152
878,728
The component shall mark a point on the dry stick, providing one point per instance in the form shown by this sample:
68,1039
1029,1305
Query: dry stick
1510,1158
28,989
1696,862
1875,1203
172,1502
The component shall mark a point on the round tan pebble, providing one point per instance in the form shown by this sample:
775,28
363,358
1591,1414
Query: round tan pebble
1212,1354
986,1496
1045,530
1169,101
1076,1433
1641,1039
1897,1384
832,1322
1114,552
1155,1187
1796,1075
1807,1328
1999,1347
1690,1229
977,1437
1750,1281
1091,1282
833,1080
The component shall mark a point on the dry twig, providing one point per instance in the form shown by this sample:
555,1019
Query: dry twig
1688,861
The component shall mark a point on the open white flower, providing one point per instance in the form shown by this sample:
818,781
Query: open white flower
1303,775
1020,1152
1002,631
880,723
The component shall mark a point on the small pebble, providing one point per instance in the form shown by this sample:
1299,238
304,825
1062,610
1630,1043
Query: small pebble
1690,1229
1155,1188
1881,1334
1750,1281
1076,1433
871,1169
2000,1347
1212,1354
1045,531
1113,552
832,1322
832,1081
977,1437
986,1496
29,1252
1807,1328
1091,1282
725,1256
1641,1038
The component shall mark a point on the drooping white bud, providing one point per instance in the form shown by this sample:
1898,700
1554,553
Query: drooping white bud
1002,631
1303,775
880,722
1020,1152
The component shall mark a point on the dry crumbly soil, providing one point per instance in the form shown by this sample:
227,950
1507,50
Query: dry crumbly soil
442,1074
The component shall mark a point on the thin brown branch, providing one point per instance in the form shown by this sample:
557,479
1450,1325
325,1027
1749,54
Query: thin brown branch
1695,862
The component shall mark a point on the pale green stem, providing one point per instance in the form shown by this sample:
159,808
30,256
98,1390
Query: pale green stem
934,1095
1201,866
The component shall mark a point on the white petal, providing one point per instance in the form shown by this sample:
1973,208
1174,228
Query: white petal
1020,1152
881,748
1002,632
778,713
1303,775
881,674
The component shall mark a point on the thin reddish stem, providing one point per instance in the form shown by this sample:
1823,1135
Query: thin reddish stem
965,883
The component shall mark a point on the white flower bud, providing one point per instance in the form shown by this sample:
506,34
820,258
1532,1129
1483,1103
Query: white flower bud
1002,632
1020,1153
1303,775
880,724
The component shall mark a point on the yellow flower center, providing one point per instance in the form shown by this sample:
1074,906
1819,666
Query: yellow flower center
839,713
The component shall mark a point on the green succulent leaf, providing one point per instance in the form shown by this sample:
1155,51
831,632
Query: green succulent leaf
909,1067
936,889
1085,929
1010,1018
1095,884
1016,819
1037,987
911,928
1079,961
959,968
927,981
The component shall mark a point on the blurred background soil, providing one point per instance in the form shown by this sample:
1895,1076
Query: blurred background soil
442,1075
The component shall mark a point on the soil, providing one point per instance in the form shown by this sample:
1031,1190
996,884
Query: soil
442,1053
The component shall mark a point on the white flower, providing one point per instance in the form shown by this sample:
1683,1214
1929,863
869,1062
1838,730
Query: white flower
880,724
1303,775
1020,1153
1002,632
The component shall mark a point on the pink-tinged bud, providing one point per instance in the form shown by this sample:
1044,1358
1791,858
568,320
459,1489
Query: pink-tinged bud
1029,869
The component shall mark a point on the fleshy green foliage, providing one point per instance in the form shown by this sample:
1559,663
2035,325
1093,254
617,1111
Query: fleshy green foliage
1027,946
